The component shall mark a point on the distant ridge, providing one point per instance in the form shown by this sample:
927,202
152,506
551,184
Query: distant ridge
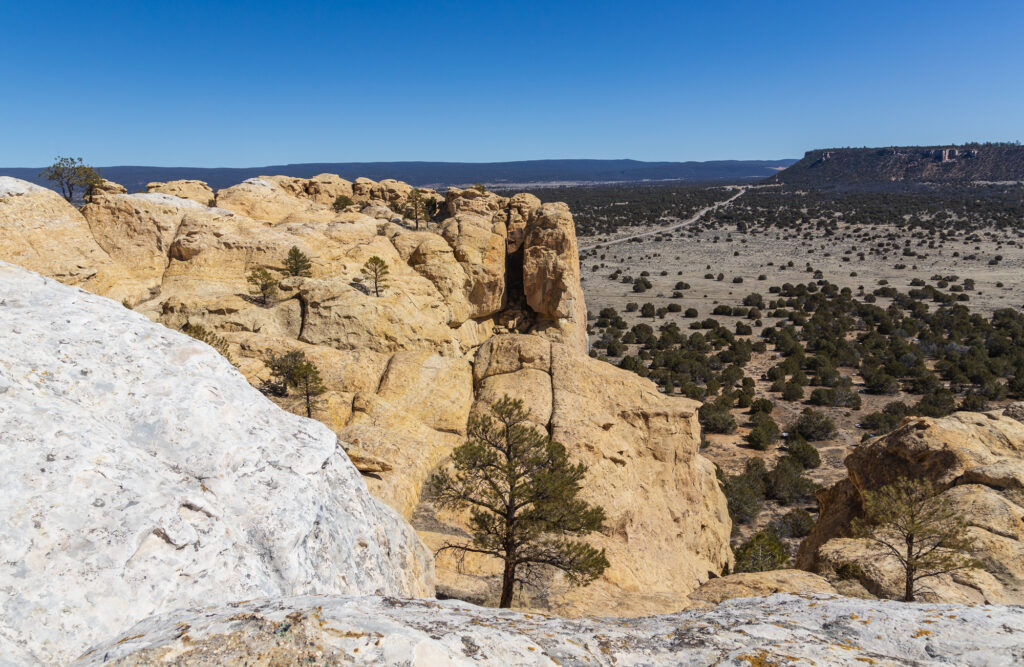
834,167
433,174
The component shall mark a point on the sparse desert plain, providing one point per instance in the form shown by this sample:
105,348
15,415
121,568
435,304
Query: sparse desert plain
728,251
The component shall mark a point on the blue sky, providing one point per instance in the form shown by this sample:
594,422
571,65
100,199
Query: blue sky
256,83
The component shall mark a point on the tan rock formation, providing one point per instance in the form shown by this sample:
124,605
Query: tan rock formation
483,303
758,584
197,191
978,458
42,232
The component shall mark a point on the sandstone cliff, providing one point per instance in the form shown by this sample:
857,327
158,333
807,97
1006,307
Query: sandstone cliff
142,473
978,458
484,300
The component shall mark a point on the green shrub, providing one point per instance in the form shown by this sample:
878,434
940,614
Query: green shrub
804,452
814,425
786,482
762,552
716,419
794,523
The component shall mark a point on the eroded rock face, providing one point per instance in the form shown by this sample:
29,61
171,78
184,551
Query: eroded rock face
142,472
662,500
197,191
481,303
819,630
978,458
42,232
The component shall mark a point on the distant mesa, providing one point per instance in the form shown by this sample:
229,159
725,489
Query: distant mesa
839,167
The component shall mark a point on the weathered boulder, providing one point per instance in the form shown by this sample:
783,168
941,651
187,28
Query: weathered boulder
42,232
138,230
978,461
761,584
279,199
197,191
781,629
1015,411
551,274
143,473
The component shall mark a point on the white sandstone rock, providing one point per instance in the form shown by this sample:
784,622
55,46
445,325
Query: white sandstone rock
142,473
781,629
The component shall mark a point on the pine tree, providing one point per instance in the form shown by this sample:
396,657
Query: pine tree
376,271
521,491
210,338
918,527
341,202
306,379
296,263
761,553
71,173
293,369
264,284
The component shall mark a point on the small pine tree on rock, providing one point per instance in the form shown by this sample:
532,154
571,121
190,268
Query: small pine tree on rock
521,491
264,285
297,263
918,527
341,202
375,270
71,174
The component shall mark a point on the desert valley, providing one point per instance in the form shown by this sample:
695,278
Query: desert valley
536,333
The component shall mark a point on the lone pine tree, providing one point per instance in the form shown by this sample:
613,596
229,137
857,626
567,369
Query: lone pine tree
918,527
521,491
70,174
296,263
376,271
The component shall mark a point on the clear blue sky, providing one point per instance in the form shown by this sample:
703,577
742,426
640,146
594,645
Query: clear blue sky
256,83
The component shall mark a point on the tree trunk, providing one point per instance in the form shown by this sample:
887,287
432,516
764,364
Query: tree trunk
911,571
508,581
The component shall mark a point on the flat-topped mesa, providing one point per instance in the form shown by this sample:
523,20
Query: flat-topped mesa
483,299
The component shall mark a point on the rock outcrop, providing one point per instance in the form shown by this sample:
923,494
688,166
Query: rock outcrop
781,629
978,459
197,191
42,232
143,473
482,301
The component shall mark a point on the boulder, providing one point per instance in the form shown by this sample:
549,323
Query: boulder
193,190
781,629
761,584
551,274
42,232
278,199
977,459
143,473
1015,411
138,230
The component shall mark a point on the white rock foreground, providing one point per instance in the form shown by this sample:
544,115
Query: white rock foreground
150,491
777,630
142,473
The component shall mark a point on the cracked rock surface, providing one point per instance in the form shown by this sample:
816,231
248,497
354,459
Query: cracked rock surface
777,630
141,473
